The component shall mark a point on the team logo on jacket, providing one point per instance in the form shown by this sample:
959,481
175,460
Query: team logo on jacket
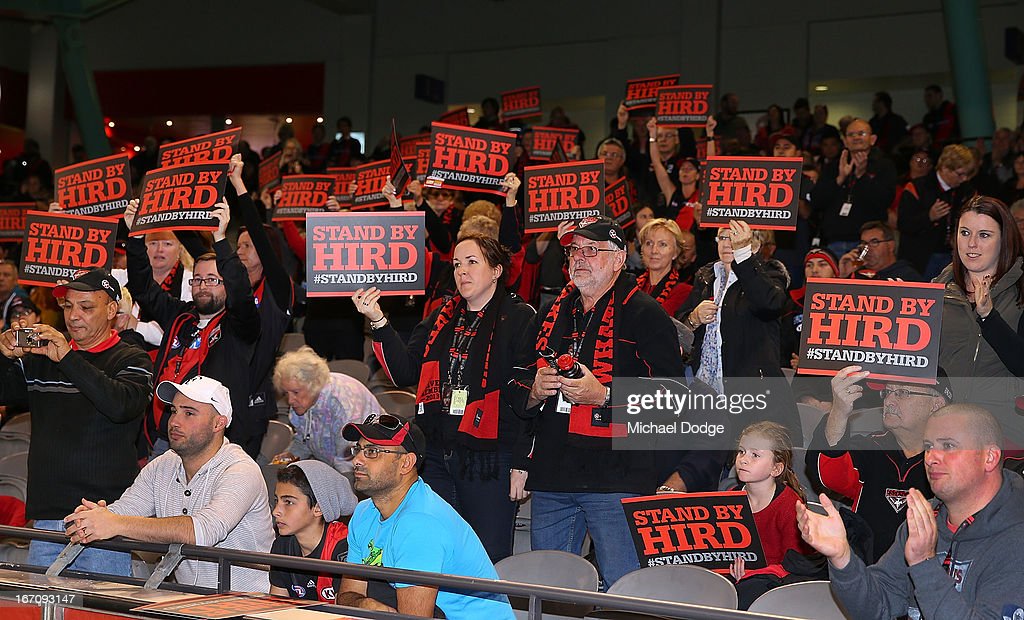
215,335
1013,612
897,498
327,594
299,591
959,572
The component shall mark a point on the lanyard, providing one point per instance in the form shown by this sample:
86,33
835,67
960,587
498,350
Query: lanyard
461,341
578,334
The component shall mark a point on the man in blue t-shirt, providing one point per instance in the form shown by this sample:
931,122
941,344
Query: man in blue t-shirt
404,524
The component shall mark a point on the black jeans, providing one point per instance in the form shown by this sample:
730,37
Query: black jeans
476,484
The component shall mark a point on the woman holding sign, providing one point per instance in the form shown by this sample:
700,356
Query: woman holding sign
981,346
734,312
462,358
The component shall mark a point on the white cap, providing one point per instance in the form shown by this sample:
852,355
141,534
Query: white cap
200,389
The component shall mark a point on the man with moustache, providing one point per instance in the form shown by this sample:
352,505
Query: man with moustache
213,335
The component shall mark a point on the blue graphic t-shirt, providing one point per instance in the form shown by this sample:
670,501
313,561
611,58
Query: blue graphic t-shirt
426,534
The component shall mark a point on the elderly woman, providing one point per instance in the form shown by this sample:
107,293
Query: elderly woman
662,246
320,404
735,310
981,347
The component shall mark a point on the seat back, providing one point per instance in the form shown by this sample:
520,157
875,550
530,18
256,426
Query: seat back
398,403
549,568
278,438
679,583
866,421
15,465
354,368
808,599
20,424
810,417
291,342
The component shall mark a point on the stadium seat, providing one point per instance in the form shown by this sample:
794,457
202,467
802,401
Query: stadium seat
809,599
549,568
866,421
278,437
15,465
810,417
788,373
291,342
679,583
398,402
20,424
353,368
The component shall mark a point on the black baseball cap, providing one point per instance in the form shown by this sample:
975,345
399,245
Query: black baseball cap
97,279
598,229
384,429
21,304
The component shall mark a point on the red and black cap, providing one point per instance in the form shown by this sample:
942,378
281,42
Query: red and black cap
97,279
384,429
598,229
788,134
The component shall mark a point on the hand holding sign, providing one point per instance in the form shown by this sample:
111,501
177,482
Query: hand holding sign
826,533
332,204
130,211
737,570
389,192
235,174
622,115
511,185
55,208
846,390
922,533
223,217
367,302
740,233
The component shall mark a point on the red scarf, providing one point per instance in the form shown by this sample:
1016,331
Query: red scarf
182,360
478,425
336,531
588,421
643,282
168,283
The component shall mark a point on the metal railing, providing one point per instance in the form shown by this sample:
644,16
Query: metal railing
535,594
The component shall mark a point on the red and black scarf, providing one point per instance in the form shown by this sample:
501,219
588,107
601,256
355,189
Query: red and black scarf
660,291
185,348
171,284
589,426
482,374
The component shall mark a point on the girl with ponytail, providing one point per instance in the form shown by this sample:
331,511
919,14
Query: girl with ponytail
764,467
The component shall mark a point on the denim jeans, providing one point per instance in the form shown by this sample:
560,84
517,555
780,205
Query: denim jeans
560,521
41,553
480,499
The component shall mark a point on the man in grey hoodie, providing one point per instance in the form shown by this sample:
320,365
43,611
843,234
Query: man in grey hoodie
956,559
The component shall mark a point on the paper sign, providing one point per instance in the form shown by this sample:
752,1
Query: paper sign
683,106
545,139
458,116
705,529
642,93
399,173
468,158
618,200
349,251
409,144
560,192
218,146
57,246
370,180
302,194
520,103
180,198
343,180
12,219
761,191
422,161
890,329
270,171
99,187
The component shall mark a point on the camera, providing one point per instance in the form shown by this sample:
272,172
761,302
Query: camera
28,338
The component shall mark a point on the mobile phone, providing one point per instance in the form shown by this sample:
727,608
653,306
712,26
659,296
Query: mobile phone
817,508
28,338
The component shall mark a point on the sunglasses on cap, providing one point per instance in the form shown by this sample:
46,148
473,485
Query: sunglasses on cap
385,420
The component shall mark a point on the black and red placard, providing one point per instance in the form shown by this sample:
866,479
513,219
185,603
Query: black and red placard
344,178
546,140
218,146
684,106
520,103
12,219
399,173
349,251
469,159
458,116
99,187
58,245
642,93
370,180
270,171
761,191
302,194
891,329
705,529
560,192
180,198
618,201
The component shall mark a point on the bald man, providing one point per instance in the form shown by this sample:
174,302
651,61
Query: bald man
956,557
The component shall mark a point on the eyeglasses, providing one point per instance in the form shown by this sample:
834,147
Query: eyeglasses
372,452
587,251
863,133
724,237
876,242
612,155
211,281
903,393
443,195
385,420
922,160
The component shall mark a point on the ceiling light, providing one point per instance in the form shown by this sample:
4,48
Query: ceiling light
170,123
821,88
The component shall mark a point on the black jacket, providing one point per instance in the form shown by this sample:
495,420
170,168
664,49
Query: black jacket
86,412
229,357
870,196
751,324
919,236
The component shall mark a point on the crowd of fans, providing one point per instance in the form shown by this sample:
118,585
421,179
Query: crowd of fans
170,362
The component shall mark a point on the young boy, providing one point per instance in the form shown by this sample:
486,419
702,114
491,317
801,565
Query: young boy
310,497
